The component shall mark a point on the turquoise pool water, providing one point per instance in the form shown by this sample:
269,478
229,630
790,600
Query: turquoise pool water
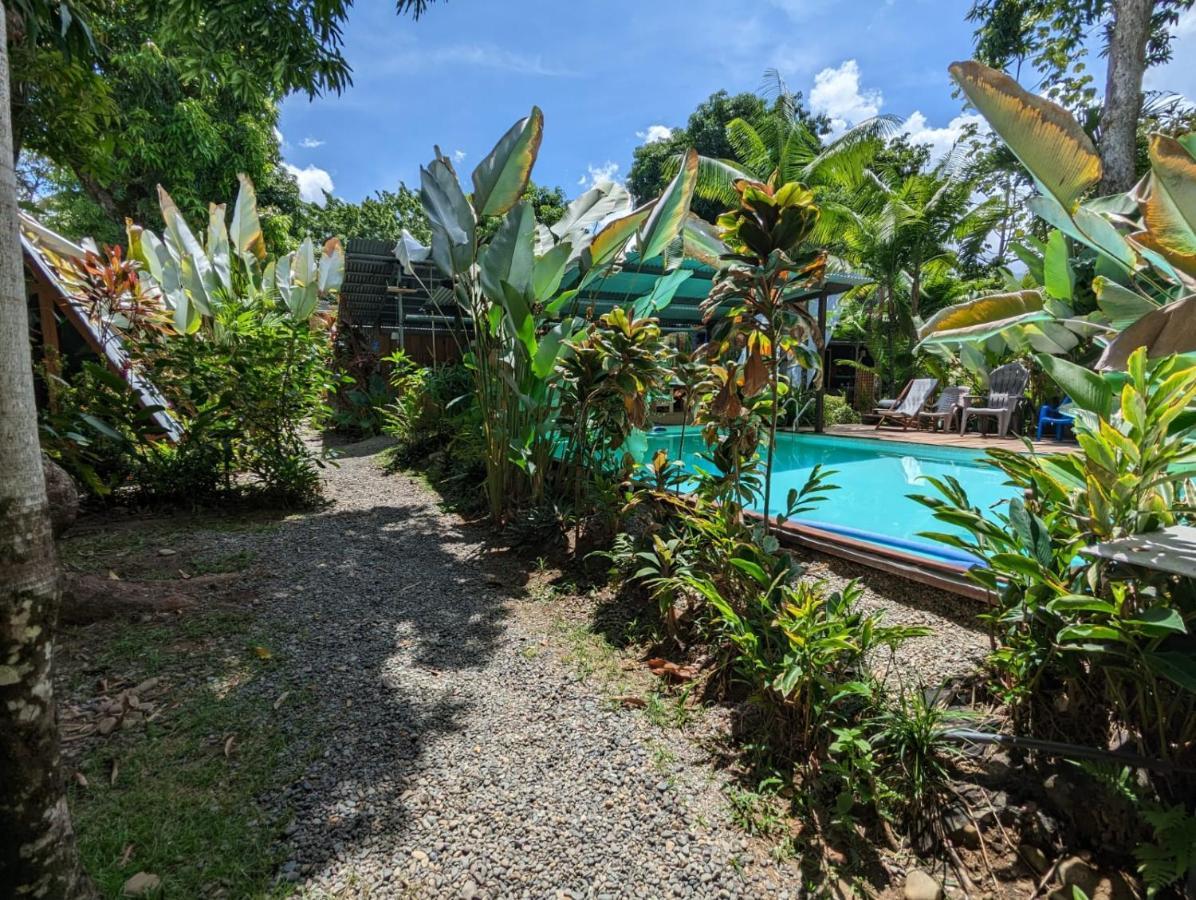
874,479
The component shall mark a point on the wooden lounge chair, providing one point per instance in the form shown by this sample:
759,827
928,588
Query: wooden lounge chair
944,409
1006,388
911,401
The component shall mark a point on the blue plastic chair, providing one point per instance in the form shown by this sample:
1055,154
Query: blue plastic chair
1050,417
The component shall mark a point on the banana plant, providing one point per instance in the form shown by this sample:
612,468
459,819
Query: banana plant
195,278
1142,245
509,287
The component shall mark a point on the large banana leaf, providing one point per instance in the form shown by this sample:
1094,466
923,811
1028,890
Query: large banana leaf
1041,134
1058,277
591,208
217,248
983,317
246,234
332,267
450,216
508,258
1087,390
610,241
501,178
668,214
701,241
303,296
1122,306
1163,331
549,270
662,293
1168,204
198,277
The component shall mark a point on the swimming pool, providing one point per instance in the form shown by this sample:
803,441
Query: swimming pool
874,478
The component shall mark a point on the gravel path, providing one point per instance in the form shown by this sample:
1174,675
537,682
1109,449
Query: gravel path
454,754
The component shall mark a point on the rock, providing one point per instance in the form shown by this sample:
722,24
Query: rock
166,551
141,884
1034,858
106,725
920,886
62,496
1077,872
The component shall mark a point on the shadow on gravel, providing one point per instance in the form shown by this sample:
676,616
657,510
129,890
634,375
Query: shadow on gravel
377,611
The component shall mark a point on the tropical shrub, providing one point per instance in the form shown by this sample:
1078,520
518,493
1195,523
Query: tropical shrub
232,343
767,278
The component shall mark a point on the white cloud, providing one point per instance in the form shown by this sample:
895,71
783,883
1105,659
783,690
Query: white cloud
608,171
484,56
837,94
311,143
314,182
282,142
655,133
459,155
940,140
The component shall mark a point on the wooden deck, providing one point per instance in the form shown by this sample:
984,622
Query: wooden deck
970,441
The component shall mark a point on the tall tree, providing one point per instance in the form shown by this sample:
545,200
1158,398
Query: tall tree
653,164
38,857
1050,35
38,854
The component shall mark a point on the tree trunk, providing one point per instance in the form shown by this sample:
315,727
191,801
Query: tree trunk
38,857
1123,93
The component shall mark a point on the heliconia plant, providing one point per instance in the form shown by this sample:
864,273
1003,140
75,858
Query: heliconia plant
195,277
1141,244
508,283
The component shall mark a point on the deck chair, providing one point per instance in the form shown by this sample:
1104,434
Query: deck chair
905,411
944,409
1006,389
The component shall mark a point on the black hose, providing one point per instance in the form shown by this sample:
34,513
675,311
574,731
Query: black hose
1057,748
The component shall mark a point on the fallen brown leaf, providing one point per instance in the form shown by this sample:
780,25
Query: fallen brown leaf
630,700
82,779
114,773
281,699
228,744
126,855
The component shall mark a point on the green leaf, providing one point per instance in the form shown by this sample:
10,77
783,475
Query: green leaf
669,211
1081,603
1123,306
1174,665
1159,621
751,569
1041,134
1169,204
662,293
509,257
549,270
1059,279
1087,390
501,178
520,316
1089,633
549,348
217,247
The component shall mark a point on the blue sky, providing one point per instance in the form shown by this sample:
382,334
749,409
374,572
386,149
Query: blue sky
610,73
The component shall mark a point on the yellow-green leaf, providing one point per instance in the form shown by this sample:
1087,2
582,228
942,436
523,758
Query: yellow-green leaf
668,213
984,316
501,178
613,238
1041,134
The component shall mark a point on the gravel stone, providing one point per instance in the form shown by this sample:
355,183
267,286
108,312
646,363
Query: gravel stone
440,759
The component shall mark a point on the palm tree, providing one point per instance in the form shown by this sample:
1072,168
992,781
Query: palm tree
784,145
901,230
